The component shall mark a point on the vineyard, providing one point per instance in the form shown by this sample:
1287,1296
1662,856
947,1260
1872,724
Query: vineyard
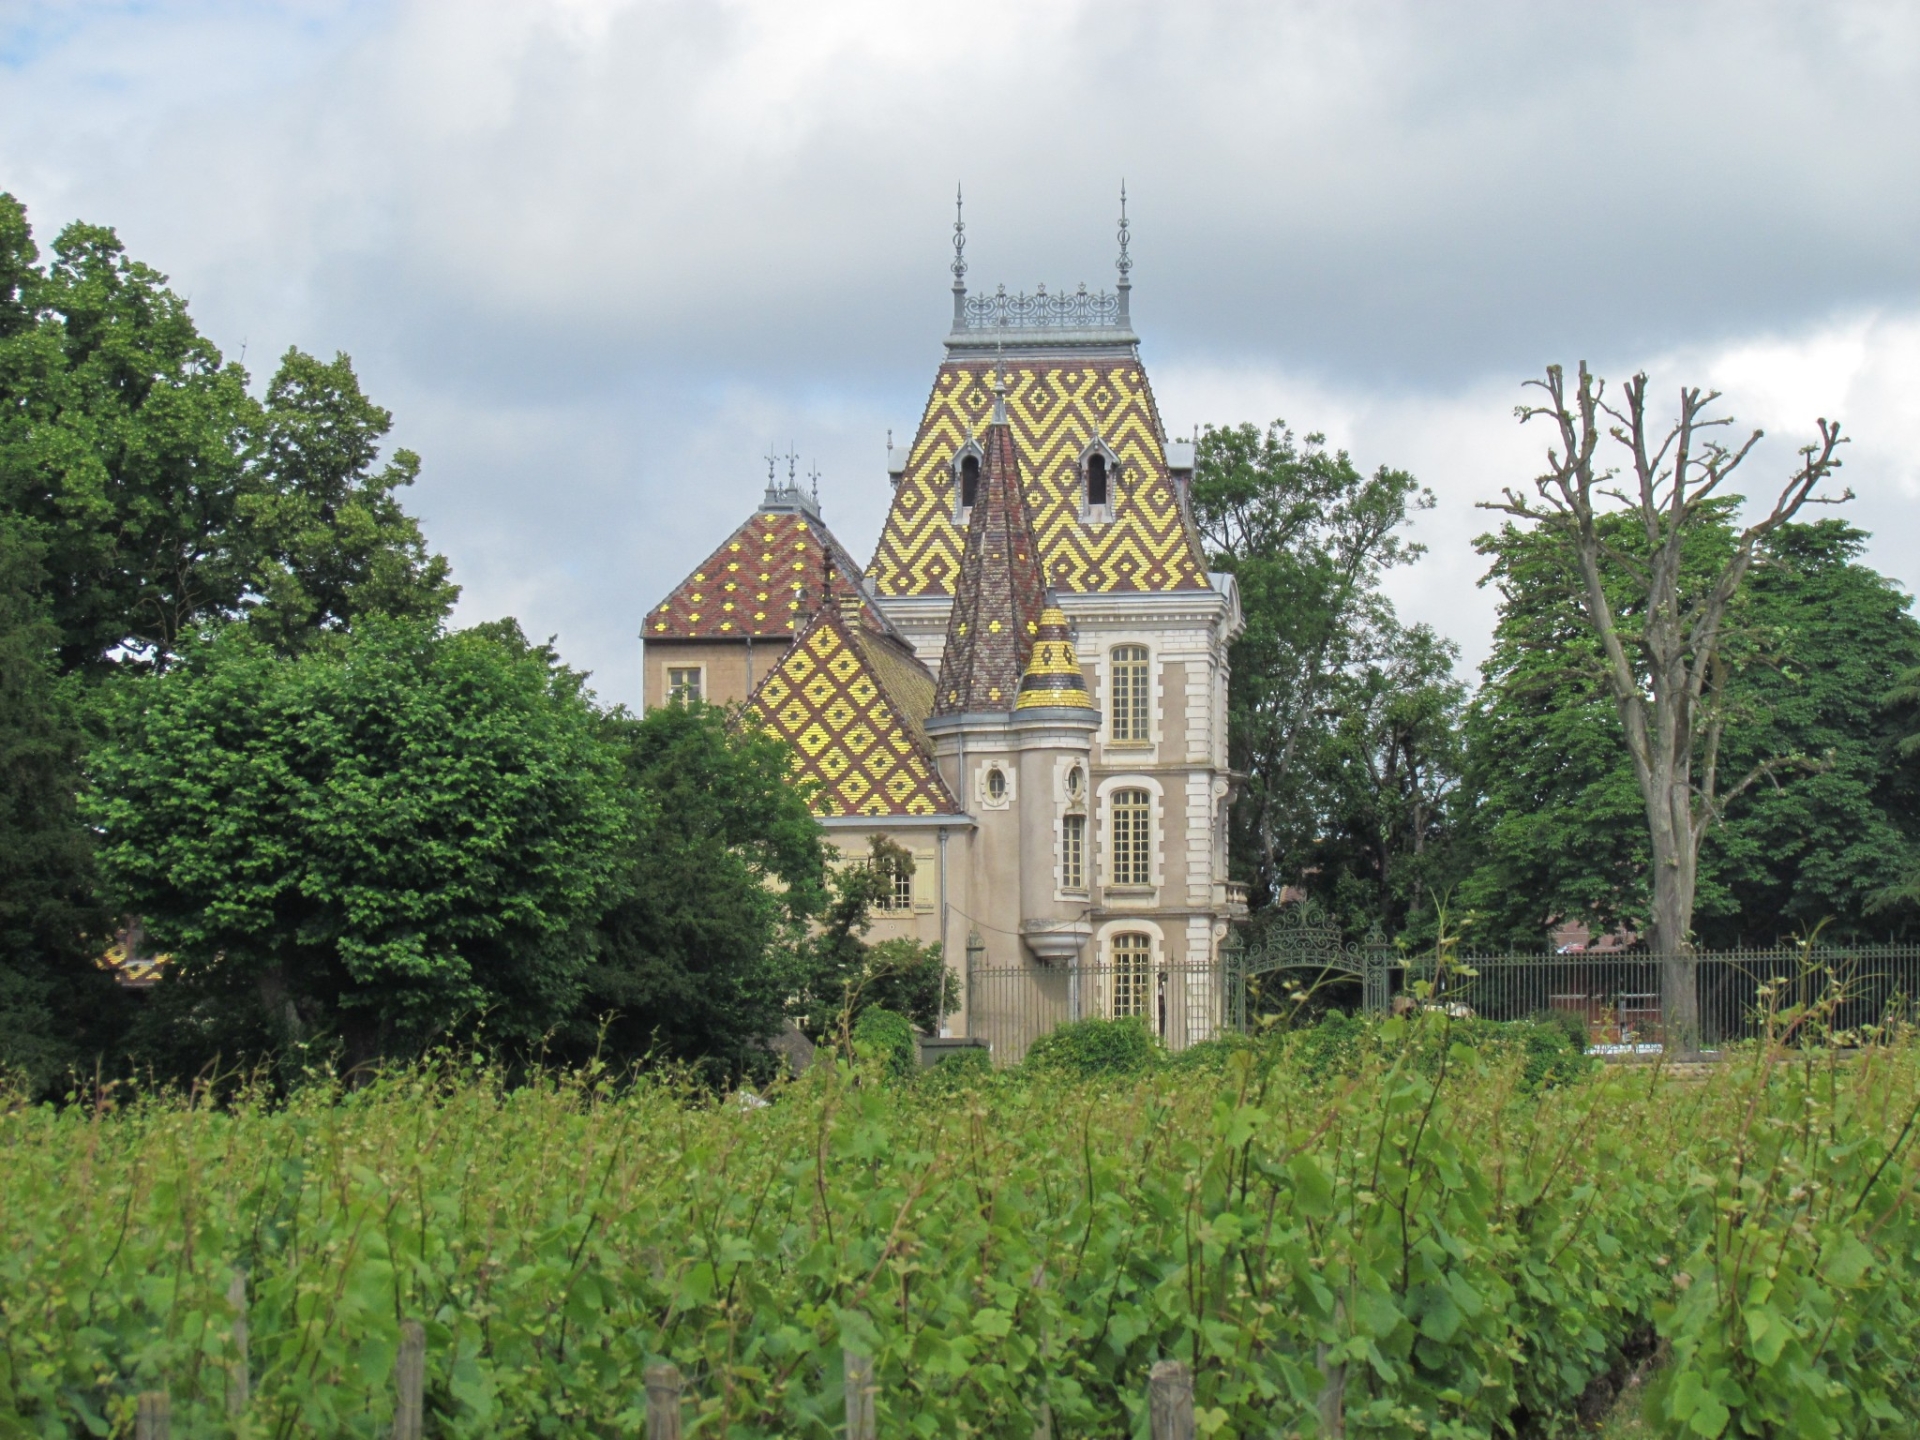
1399,1228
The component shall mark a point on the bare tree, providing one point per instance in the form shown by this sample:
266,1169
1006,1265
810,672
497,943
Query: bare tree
1667,673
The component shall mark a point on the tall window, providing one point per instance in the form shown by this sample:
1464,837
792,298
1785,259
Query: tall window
1096,479
1073,853
683,684
1132,974
1132,838
1127,709
969,481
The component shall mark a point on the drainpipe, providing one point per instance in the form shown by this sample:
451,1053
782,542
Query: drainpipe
944,952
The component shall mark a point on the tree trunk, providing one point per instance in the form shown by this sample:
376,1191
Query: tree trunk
1670,933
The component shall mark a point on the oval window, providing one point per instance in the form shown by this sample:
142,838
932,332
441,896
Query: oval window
996,786
1076,783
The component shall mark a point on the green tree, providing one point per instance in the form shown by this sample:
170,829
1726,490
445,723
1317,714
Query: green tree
1307,537
380,838
724,868
1812,643
163,494
329,537
839,974
56,1008
1387,777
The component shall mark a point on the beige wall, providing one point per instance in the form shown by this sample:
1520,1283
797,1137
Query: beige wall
724,663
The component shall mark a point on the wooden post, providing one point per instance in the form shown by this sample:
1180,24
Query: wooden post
154,1420
663,1402
410,1380
1333,1391
1170,1400
861,1422
239,1379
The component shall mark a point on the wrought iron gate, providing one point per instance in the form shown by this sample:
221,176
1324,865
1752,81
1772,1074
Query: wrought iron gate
1305,939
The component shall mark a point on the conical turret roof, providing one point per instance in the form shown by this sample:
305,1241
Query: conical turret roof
1000,595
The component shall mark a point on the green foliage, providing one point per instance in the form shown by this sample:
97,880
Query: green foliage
1341,718
1097,1047
1465,1254
723,863
1815,641
55,1007
887,1036
163,494
387,836
837,973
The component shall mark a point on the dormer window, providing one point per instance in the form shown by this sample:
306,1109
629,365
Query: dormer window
1099,476
966,482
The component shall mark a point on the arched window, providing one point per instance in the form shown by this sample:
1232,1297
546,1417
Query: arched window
1132,847
1132,974
969,481
1127,706
1096,480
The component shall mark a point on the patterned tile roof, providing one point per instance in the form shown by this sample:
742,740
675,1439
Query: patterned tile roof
1053,676
763,581
1056,407
997,603
851,705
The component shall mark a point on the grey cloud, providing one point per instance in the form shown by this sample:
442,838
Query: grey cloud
598,255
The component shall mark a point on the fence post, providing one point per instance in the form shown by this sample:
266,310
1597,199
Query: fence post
154,1419
861,1422
410,1378
1170,1400
664,1388
239,1378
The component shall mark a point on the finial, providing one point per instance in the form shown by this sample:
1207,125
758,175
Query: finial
999,385
793,459
1125,263
813,474
959,266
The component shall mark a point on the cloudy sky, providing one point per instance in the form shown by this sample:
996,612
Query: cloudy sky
598,255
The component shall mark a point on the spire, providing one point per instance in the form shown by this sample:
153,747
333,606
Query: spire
999,594
1053,677
959,264
1125,263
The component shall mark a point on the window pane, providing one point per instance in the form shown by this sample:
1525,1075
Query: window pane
1073,845
1132,838
1128,718
1132,974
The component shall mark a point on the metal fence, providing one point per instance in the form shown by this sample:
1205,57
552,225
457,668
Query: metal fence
1630,1002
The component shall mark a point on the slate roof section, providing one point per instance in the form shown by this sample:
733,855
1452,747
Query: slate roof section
763,581
850,704
996,608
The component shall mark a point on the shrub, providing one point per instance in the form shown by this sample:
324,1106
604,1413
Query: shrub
887,1036
1097,1047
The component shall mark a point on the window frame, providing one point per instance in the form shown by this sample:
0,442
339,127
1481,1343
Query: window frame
1130,683
1073,852
1130,966
676,694
1130,839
